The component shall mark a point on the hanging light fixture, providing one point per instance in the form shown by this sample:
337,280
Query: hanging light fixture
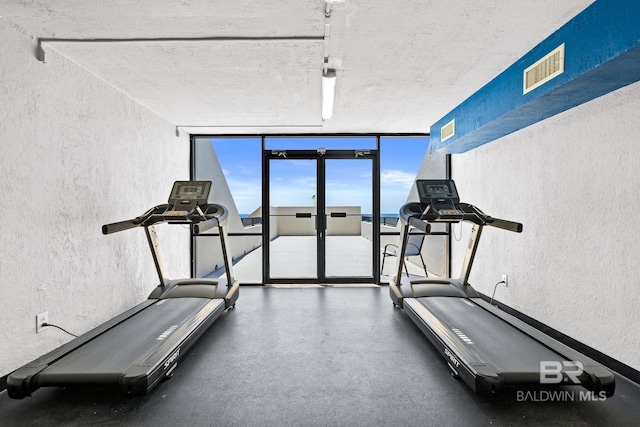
329,4
328,75
328,93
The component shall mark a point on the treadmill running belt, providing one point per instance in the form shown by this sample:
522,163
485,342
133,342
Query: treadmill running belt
488,337
131,342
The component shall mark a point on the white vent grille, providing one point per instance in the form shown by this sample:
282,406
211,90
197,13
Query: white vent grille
448,130
550,66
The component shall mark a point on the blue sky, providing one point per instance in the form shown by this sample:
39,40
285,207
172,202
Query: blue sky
293,182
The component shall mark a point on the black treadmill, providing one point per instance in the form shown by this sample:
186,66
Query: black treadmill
483,345
137,349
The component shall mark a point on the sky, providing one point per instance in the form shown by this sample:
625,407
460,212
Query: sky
293,182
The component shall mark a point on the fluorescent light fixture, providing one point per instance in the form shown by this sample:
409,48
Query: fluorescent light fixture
329,3
328,93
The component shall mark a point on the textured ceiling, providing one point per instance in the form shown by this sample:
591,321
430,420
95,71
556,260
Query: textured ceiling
401,64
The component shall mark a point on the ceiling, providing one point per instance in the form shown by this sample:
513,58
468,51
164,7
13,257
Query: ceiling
242,66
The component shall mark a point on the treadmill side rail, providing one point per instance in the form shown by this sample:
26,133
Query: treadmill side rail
594,377
485,378
481,376
142,377
20,383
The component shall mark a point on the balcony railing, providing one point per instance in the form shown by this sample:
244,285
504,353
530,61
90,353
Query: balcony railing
251,221
384,220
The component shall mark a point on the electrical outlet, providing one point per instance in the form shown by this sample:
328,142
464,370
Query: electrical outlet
505,279
41,319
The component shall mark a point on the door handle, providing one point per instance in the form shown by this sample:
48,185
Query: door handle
321,223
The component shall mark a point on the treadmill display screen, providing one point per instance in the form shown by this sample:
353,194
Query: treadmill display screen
440,188
195,191
191,191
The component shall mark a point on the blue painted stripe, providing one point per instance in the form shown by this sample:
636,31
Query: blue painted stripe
602,54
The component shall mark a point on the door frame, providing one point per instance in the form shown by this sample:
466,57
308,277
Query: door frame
321,155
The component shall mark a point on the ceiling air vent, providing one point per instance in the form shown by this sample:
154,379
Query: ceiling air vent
448,130
550,66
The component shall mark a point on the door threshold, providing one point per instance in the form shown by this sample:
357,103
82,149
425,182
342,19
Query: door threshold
293,285
321,285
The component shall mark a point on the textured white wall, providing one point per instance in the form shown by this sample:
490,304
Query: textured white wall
573,181
75,154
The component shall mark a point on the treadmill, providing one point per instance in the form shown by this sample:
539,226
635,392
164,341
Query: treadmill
483,345
134,351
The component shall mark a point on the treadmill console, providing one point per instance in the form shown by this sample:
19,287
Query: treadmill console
442,198
186,195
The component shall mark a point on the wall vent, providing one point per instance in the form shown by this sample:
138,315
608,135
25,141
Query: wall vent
547,68
448,130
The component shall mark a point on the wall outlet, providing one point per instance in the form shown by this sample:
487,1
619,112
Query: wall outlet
505,279
41,319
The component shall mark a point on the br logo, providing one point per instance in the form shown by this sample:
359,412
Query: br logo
551,371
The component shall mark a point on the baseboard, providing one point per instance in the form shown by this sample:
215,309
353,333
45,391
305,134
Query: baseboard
611,363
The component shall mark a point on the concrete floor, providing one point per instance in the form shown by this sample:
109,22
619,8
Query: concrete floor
295,257
313,357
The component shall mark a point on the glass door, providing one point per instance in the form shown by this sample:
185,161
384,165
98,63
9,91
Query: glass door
320,217
292,213
348,200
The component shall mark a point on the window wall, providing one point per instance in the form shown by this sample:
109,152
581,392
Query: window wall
234,164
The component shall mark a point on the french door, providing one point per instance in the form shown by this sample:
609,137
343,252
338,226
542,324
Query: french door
320,216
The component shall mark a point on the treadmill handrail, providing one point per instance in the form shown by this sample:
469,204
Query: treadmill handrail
480,218
119,226
212,220
504,224
419,224
163,213
418,215
132,223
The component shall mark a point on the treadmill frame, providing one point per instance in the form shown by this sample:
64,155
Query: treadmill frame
480,376
138,379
